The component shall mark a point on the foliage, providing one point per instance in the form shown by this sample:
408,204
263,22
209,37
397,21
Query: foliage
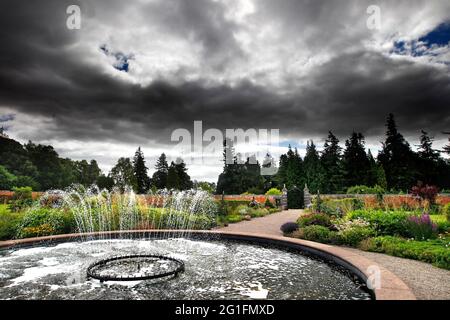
320,219
365,190
442,223
289,227
123,174
356,163
9,222
173,219
421,227
274,192
234,218
159,178
6,179
353,232
291,170
313,169
140,172
331,158
205,186
383,222
337,207
436,251
446,211
269,204
260,212
425,192
315,233
21,199
239,175
44,221
242,209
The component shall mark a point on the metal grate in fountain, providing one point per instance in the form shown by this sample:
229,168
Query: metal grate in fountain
135,267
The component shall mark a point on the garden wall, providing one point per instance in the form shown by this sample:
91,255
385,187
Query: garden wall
258,198
442,199
5,196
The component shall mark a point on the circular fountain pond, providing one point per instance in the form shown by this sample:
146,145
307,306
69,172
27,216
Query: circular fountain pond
213,270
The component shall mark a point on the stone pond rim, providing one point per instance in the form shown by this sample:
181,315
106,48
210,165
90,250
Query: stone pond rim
392,287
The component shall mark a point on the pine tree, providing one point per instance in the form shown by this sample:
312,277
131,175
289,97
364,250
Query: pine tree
184,180
429,162
356,163
314,172
172,177
331,159
159,177
140,172
426,151
381,177
397,158
447,148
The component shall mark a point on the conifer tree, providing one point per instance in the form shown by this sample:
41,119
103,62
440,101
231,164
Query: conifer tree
331,159
159,178
140,172
397,158
356,163
314,172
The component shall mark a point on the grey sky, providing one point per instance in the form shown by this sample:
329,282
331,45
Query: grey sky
304,67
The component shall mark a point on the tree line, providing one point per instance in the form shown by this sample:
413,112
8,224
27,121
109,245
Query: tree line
40,167
335,169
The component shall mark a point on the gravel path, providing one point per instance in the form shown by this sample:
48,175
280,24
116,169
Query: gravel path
269,224
426,281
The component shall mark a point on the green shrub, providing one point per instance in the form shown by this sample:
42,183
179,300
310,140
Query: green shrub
44,222
242,210
337,207
21,199
269,204
9,221
319,219
421,227
274,192
446,211
436,251
366,190
172,219
384,222
289,227
234,218
7,179
442,223
227,207
315,233
257,213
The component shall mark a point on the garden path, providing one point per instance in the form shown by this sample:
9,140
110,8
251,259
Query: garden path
426,281
269,224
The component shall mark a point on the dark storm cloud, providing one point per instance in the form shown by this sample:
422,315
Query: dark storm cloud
204,22
41,74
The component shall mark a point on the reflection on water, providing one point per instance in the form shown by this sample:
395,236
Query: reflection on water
214,270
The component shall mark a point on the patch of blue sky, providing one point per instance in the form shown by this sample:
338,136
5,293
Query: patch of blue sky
121,62
431,44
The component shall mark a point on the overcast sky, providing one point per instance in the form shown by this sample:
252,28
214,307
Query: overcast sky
137,70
